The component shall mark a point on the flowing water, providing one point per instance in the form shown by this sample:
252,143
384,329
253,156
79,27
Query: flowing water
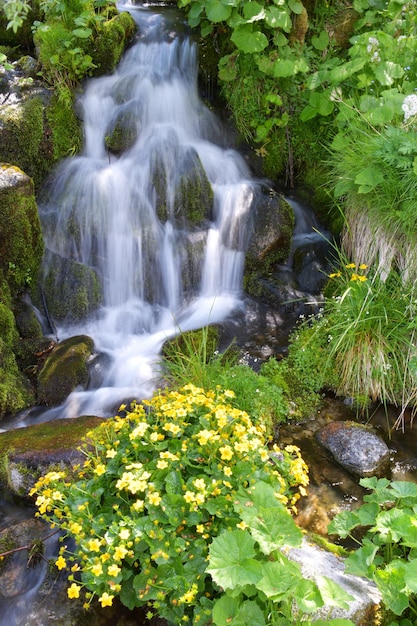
102,212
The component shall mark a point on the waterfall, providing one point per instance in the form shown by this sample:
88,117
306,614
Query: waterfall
126,216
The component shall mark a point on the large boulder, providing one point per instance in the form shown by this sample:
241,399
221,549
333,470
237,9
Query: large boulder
64,370
355,447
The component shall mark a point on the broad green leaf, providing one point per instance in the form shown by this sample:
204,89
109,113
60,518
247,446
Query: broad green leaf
227,68
386,72
332,593
368,179
391,583
248,40
248,613
284,68
253,12
231,562
216,11
321,42
195,12
368,513
404,489
343,72
307,596
277,17
174,482
278,579
82,33
224,610
308,113
343,523
410,575
321,102
295,6
361,561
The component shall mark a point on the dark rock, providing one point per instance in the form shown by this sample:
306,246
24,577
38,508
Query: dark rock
355,447
64,369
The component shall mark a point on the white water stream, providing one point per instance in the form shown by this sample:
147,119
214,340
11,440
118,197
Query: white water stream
102,212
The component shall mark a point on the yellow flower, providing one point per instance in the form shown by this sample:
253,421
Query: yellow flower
363,266
189,496
113,570
60,562
74,591
242,525
350,266
227,471
162,464
335,275
120,553
362,279
155,498
199,483
138,505
100,469
105,599
354,277
94,545
97,569
226,453
124,533
110,454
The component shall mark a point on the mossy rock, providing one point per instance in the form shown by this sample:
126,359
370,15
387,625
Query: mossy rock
32,451
270,242
71,290
64,369
21,244
110,43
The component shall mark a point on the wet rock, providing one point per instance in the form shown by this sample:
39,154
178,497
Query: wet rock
34,450
69,290
363,609
64,370
355,447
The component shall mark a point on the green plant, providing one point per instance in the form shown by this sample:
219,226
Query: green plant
387,552
193,357
156,487
261,584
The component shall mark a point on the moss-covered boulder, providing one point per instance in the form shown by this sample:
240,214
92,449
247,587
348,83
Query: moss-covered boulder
69,290
111,41
65,368
273,225
21,249
21,244
27,453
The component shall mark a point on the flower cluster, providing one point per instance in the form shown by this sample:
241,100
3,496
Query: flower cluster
409,106
156,486
354,275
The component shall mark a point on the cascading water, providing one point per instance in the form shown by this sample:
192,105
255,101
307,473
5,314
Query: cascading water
125,216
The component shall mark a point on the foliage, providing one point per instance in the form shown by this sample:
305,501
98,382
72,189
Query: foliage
261,585
387,552
193,357
156,487
366,337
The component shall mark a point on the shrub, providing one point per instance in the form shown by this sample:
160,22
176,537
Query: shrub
156,487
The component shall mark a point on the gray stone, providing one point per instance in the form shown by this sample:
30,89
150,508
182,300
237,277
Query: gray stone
355,447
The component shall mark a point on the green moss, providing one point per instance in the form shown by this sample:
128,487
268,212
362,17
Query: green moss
23,138
21,244
63,125
111,42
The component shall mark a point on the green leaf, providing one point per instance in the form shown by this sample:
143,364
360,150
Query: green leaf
308,113
249,613
248,40
391,583
82,33
307,596
277,17
361,561
174,482
253,12
227,67
279,577
368,513
295,6
321,102
410,575
224,610
386,72
368,179
321,42
333,594
404,489
231,562
343,72
216,11
284,68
